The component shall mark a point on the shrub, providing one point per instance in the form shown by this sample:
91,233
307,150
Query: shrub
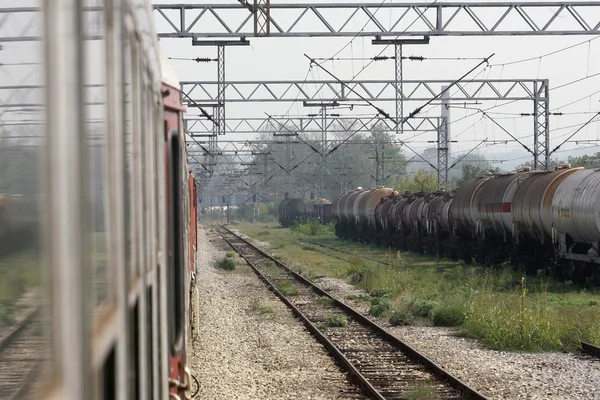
401,317
380,306
423,308
227,263
448,315
336,320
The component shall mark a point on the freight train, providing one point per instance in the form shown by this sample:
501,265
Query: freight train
534,220
296,210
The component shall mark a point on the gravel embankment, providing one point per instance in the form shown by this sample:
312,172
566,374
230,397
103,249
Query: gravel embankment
249,345
496,374
504,375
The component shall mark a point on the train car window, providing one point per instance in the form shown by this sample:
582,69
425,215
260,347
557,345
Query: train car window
95,114
176,266
134,352
137,150
23,146
128,162
150,337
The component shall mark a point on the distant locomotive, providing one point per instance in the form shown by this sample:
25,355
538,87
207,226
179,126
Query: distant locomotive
536,220
296,210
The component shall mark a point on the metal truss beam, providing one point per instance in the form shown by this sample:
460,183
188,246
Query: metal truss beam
373,90
516,18
342,124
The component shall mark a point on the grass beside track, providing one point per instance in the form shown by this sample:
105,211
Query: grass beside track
19,271
497,306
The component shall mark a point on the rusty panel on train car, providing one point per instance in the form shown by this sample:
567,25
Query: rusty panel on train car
383,212
532,203
397,211
576,206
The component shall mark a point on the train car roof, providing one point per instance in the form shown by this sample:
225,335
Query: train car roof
169,77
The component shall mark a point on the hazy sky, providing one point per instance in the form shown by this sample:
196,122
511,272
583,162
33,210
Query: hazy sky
283,59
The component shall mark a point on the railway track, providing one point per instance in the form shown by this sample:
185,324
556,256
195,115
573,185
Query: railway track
381,365
590,349
20,358
304,241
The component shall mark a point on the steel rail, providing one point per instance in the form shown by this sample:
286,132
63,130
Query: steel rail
405,348
9,338
351,253
590,349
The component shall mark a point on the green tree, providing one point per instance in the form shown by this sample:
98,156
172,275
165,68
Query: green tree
585,161
470,171
421,182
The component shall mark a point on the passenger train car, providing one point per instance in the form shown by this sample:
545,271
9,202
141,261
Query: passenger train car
94,173
534,220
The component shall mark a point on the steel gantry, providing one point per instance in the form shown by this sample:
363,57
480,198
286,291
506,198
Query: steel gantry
200,127
370,89
534,90
339,19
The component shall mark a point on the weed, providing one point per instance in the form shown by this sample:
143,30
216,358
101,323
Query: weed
380,306
263,233
401,317
380,293
227,264
325,301
422,392
359,297
448,315
287,289
336,320
423,308
230,254
259,308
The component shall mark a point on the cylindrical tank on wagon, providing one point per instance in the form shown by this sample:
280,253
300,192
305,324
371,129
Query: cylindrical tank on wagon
383,211
463,214
444,213
295,208
494,200
439,211
368,203
337,204
349,206
358,203
576,206
416,211
532,202
397,211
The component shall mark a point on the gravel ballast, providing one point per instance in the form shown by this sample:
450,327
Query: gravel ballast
249,345
495,374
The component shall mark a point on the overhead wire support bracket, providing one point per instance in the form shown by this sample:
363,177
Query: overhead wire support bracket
399,73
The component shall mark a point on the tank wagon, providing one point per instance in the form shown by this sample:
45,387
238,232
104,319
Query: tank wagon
296,210
535,220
